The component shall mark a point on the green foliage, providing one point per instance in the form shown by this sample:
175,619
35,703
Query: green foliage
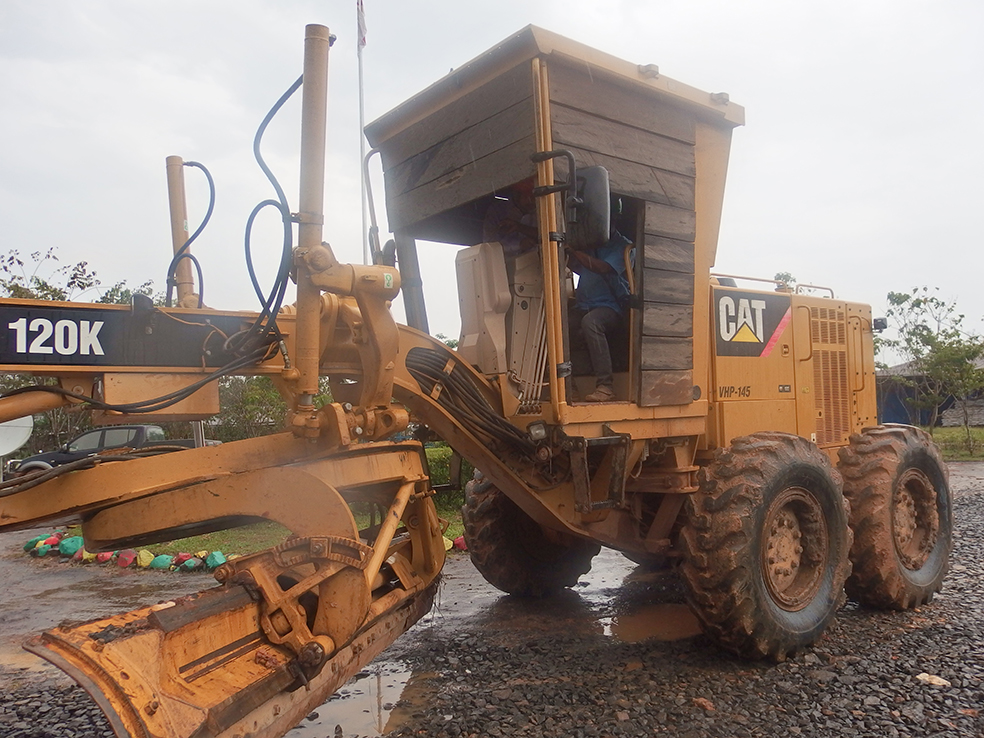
439,461
953,443
26,280
449,501
786,278
37,277
121,294
450,342
251,407
449,508
942,357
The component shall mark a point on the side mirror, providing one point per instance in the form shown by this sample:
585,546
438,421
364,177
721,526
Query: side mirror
587,201
879,324
589,214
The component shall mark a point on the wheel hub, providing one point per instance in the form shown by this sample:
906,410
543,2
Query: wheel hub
794,548
915,519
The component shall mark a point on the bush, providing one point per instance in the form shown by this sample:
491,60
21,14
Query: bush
439,461
448,501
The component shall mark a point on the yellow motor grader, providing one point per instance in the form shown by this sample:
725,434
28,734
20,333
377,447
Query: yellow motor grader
740,446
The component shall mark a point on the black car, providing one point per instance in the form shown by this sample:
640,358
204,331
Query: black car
95,441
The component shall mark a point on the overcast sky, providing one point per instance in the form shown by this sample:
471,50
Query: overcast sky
859,168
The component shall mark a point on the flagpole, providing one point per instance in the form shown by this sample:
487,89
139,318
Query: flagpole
361,32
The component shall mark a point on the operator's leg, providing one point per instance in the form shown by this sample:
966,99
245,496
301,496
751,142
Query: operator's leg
595,327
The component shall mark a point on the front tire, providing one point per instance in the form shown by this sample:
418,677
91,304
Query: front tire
901,514
516,554
33,467
766,546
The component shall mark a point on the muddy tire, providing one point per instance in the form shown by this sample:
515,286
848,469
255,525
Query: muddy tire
901,514
516,554
766,545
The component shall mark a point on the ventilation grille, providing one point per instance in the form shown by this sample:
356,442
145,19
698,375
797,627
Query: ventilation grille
827,326
828,330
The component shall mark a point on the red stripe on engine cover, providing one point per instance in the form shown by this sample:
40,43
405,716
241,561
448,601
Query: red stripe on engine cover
777,332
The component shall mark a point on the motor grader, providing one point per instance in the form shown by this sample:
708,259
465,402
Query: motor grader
741,447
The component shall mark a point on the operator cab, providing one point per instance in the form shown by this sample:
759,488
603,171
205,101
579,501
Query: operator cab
465,151
501,291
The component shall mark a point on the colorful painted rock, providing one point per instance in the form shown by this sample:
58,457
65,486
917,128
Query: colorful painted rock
180,558
144,558
34,543
161,562
68,546
214,560
126,558
192,564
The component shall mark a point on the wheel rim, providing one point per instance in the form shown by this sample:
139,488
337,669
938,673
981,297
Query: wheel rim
915,519
794,548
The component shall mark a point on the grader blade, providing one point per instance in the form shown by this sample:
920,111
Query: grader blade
289,624
202,666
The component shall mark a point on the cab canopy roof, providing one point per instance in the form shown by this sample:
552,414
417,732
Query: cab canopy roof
449,149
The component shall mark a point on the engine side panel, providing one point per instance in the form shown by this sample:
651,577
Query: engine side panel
795,363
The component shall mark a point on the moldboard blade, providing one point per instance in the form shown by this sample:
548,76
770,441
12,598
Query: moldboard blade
200,667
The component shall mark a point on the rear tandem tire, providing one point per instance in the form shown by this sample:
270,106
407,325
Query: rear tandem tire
766,545
901,514
516,554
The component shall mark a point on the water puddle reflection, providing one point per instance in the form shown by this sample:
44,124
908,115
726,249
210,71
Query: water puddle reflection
378,700
659,622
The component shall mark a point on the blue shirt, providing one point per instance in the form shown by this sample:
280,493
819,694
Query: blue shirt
605,290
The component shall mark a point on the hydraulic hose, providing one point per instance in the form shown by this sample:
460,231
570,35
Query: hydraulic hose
183,252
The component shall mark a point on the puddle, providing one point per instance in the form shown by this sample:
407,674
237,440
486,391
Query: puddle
378,700
40,594
609,570
660,622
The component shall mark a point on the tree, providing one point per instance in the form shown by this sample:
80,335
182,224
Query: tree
39,278
122,294
251,406
449,342
941,357
958,366
786,278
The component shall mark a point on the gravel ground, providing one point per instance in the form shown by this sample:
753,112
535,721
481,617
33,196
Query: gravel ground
544,669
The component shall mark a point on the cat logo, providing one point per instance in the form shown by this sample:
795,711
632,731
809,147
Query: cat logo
749,323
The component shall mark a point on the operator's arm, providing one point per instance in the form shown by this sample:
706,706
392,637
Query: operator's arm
580,260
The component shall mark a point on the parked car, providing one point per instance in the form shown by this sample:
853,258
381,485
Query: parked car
97,441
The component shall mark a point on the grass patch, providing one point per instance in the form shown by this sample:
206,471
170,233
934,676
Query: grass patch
954,445
449,507
243,540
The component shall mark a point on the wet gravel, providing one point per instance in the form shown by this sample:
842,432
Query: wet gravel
545,669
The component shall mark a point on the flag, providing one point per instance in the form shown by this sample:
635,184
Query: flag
361,14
